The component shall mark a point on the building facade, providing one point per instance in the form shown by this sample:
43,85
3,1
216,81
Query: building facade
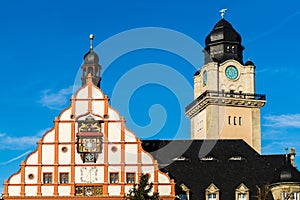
225,100
89,153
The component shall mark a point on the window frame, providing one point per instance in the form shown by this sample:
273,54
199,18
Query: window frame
63,178
114,176
127,177
47,176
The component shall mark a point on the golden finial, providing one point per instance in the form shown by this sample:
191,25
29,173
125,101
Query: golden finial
91,41
223,11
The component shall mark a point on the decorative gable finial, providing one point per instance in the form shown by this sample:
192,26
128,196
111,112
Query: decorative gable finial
91,41
223,11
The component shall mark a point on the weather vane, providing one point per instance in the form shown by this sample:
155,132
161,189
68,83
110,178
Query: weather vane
223,11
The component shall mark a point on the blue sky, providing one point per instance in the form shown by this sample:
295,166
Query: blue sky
42,44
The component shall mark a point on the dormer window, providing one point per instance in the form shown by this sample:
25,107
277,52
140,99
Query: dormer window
237,158
212,192
242,192
208,158
180,158
212,196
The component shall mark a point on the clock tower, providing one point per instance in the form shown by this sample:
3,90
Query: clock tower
225,104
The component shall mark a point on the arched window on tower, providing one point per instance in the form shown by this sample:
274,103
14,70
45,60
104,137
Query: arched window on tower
90,70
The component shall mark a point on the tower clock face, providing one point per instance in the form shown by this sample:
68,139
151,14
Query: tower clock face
231,72
204,77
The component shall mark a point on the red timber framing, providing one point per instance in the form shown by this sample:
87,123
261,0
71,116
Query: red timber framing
72,144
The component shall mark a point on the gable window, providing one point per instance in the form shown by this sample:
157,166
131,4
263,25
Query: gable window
114,177
242,196
47,178
130,178
212,196
64,178
242,192
212,192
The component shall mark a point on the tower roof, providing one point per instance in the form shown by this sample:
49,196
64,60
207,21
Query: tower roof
91,66
223,43
91,57
223,31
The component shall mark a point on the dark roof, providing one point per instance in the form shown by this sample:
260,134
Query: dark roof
225,29
249,62
91,57
226,163
223,43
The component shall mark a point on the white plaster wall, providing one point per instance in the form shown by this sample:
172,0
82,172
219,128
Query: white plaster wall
114,157
131,153
100,158
146,159
64,169
132,169
64,158
100,174
164,190
114,190
64,132
81,107
48,154
14,190
64,190
129,136
77,158
32,158
47,190
114,169
97,93
113,114
162,178
114,132
49,137
77,174
47,169
66,114
31,170
16,178
30,190
83,93
98,107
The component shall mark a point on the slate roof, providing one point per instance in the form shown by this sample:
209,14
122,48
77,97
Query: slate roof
226,163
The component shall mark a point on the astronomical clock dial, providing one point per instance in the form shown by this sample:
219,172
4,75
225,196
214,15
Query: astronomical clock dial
231,72
204,78
88,174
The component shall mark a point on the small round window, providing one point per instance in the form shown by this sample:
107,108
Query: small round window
64,149
114,149
31,176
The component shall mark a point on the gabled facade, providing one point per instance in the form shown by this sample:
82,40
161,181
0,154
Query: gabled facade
89,153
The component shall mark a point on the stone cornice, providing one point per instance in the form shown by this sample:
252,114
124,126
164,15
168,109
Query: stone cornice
236,100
